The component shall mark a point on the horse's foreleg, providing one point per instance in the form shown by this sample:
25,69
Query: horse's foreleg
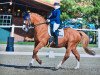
37,59
34,56
75,52
36,49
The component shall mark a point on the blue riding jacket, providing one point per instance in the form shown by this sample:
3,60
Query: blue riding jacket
55,16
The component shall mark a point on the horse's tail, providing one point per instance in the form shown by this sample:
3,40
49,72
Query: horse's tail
85,42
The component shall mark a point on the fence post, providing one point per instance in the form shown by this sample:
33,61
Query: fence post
12,31
10,41
98,38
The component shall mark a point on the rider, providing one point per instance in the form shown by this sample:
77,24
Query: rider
54,19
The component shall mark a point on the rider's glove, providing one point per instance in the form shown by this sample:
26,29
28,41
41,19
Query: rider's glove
48,20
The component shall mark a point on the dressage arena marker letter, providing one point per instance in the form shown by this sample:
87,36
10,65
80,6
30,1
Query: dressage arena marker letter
51,54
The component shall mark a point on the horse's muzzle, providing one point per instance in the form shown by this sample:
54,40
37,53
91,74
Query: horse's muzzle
26,29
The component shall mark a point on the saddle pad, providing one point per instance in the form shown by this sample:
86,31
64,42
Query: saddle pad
60,34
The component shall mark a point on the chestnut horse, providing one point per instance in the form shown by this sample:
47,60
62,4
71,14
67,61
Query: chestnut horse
70,40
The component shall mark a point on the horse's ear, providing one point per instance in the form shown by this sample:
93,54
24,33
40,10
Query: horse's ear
26,15
30,14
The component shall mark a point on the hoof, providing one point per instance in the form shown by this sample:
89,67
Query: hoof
29,67
76,68
57,67
40,62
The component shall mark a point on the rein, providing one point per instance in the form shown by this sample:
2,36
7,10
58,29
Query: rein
39,24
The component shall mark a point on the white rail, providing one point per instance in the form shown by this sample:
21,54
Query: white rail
13,27
47,54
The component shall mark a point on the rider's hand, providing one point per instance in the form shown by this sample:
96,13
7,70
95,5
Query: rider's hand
48,20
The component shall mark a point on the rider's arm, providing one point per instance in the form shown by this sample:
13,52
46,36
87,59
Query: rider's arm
57,16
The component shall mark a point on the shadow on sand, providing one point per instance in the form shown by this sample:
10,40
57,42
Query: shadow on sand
32,67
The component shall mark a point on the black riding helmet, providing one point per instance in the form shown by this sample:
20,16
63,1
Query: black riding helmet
55,4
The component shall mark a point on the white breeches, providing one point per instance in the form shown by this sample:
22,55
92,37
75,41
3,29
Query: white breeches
55,27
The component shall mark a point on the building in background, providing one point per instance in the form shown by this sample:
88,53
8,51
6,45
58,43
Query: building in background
16,8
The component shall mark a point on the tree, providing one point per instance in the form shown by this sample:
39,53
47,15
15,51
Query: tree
96,13
67,9
87,9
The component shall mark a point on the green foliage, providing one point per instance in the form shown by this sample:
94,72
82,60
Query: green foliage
67,7
88,9
96,4
72,9
64,16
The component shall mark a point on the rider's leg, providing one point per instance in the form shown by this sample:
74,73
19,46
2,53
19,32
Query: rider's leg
56,37
51,34
55,27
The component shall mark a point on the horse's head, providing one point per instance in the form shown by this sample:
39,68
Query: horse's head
26,22
32,19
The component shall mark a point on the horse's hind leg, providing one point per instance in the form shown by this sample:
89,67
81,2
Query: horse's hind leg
75,52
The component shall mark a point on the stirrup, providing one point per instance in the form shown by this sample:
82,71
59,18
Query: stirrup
48,45
51,39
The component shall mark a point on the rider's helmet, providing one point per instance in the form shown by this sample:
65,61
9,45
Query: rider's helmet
56,4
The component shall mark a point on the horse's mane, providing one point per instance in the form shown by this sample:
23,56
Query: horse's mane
40,18
37,15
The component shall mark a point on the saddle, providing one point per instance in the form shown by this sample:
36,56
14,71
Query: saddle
59,33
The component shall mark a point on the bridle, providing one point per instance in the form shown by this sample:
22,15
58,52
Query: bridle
35,25
30,24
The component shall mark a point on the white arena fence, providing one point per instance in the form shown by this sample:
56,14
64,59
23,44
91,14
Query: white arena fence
87,30
49,54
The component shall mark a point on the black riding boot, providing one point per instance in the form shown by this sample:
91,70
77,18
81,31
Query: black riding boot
56,37
56,40
51,39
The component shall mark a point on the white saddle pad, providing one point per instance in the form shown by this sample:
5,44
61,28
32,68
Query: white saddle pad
61,32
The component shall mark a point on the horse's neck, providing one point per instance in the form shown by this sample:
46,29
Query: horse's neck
41,29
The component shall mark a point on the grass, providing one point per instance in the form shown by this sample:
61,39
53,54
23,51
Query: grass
90,45
20,43
24,43
32,43
3,42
